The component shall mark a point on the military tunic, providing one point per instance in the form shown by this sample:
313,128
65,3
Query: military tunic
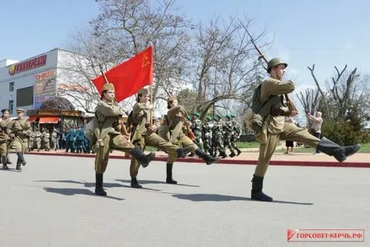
106,137
5,131
275,128
21,129
143,137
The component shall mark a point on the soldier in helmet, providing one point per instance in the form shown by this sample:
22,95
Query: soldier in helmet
46,138
5,131
21,130
179,136
196,127
106,136
274,127
31,140
228,131
207,135
144,135
237,131
218,137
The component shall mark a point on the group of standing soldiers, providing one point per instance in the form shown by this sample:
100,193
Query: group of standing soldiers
13,134
215,135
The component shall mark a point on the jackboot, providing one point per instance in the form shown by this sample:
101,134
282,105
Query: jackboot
169,179
332,149
21,159
223,154
256,193
182,152
138,154
238,150
206,157
233,154
135,184
99,190
3,160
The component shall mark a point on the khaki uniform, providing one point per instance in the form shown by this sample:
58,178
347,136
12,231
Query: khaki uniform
5,130
46,138
142,137
106,137
21,129
275,128
177,129
37,139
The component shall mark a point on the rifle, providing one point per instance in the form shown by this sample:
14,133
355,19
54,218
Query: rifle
292,107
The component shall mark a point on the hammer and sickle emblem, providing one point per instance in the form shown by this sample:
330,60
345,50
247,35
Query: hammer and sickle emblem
145,61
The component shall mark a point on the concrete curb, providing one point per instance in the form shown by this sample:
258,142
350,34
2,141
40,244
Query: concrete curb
228,161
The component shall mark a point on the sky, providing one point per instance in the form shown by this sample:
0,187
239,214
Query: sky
325,33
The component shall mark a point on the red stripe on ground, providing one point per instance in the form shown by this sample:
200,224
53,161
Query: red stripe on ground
229,161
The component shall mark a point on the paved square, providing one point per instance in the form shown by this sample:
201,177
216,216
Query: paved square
51,203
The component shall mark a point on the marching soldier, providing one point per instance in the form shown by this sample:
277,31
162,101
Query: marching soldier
144,135
274,127
218,137
196,127
207,135
5,131
179,132
46,138
37,138
228,132
79,139
20,132
106,137
237,131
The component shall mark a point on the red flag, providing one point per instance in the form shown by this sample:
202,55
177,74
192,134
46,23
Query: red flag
129,76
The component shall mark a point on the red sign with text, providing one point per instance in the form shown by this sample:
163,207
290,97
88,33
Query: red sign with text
27,65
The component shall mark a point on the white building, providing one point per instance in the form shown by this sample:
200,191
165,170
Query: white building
28,83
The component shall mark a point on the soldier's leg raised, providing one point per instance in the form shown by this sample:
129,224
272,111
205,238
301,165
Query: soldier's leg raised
101,162
265,153
294,133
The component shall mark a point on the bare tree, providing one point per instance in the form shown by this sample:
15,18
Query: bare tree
344,92
226,68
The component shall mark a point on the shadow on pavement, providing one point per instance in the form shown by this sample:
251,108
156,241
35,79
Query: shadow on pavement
225,198
10,170
155,182
73,191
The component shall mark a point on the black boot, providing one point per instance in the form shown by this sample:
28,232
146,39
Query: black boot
233,154
169,179
18,167
135,184
3,160
138,154
21,159
257,194
182,152
99,185
239,151
223,154
206,157
332,149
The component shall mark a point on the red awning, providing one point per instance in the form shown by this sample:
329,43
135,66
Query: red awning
44,120
32,118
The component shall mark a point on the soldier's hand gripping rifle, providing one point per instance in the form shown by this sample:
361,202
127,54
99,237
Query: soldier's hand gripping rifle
291,106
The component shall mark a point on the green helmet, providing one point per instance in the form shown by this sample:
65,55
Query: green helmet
188,117
274,62
209,118
196,114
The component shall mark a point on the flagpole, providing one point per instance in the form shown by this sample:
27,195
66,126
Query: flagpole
151,89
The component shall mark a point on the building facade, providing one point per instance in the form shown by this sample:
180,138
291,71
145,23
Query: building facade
29,83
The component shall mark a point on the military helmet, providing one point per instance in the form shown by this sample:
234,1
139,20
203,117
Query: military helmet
209,118
188,117
108,86
228,116
275,62
196,114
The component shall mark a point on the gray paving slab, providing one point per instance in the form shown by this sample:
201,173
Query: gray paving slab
51,203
